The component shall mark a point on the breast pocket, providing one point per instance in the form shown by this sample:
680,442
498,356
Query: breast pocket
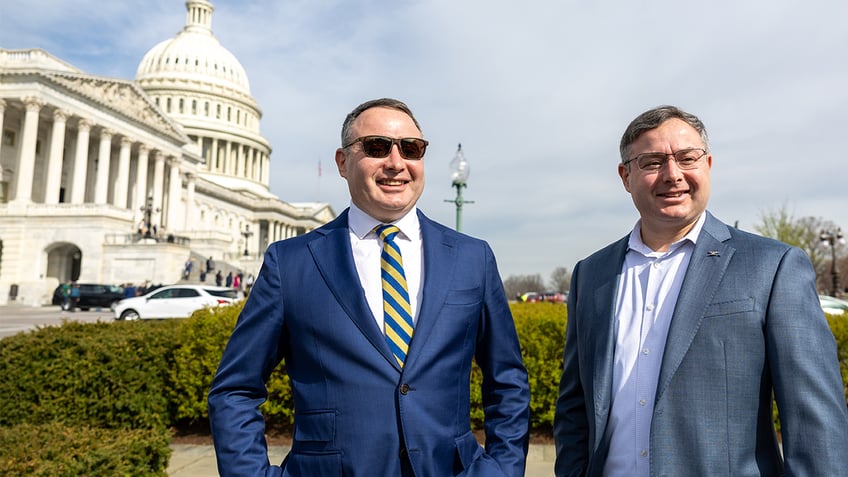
730,307
469,296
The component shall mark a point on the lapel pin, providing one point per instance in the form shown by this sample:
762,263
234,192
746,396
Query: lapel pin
713,253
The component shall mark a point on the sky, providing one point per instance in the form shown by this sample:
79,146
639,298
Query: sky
537,92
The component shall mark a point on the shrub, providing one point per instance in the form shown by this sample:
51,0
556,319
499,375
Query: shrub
57,450
541,331
201,341
110,375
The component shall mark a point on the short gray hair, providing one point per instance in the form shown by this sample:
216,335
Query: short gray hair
374,103
651,119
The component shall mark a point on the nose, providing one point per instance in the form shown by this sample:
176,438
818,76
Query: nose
394,160
670,171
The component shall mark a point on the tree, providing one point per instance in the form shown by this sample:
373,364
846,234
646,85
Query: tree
560,280
515,285
804,233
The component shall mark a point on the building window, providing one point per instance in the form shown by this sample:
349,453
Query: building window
168,105
193,106
8,137
182,105
206,108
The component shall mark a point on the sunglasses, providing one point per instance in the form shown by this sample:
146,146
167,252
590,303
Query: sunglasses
379,147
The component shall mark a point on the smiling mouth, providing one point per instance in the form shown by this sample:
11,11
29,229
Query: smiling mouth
673,195
391,182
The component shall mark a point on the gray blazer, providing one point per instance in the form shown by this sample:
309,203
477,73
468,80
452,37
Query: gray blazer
747,324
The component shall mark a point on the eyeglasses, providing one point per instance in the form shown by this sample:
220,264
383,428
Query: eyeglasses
653,161
379,147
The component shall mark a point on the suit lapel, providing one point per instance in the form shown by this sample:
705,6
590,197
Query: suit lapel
334,259
439,258
604,332
709,261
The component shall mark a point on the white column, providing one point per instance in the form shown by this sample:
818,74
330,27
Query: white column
189,222
2,113
141,178
158,181
54,160
214,155
80,162
104,156
26,161
175,187
266,168
122,181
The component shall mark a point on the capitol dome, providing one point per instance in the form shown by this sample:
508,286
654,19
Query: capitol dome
194,54
204,88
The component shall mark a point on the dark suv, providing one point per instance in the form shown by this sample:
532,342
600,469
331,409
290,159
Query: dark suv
92,295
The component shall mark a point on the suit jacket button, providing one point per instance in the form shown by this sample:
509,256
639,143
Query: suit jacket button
404,388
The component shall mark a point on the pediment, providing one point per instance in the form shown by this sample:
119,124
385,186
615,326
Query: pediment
122,97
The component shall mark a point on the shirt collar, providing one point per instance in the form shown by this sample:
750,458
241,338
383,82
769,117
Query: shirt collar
362,224
635,242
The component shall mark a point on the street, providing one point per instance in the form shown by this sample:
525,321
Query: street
18,318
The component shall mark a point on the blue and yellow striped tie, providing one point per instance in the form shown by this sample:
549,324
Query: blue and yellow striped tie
396,310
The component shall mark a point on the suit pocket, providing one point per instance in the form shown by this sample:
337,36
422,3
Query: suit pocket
742,305
315,426
467,296
467,449
312,464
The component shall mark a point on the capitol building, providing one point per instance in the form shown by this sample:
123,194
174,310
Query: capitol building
106,180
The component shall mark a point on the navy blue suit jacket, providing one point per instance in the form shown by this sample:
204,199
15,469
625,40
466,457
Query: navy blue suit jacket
357,413
747,324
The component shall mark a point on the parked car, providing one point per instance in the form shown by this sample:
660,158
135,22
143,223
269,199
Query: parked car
833,306
91,295
173,301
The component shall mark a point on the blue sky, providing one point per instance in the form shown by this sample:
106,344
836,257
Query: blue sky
537,92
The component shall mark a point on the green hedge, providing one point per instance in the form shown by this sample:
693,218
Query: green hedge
57,450
111,375
128,376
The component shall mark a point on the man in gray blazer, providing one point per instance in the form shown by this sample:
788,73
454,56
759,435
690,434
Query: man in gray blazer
682,334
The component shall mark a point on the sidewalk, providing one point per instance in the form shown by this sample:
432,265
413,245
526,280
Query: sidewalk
199,460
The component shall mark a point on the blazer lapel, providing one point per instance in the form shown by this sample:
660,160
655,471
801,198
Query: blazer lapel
334,259
604,332
439,254
703,276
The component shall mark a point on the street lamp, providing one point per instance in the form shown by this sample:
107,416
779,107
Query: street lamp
246,233
148,210
459,170
832,237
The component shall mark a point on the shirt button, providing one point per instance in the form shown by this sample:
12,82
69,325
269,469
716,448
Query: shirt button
644,453
642,402
650,307
645,351
655,264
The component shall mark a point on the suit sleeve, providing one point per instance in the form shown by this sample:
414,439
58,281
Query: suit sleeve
253,351
805,371
505,391
571,426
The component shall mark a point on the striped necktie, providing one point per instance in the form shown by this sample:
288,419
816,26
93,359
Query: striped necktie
396,310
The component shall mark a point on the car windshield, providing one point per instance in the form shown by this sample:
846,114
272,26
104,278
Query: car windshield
228,293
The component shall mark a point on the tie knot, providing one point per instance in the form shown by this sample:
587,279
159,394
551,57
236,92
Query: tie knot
387,232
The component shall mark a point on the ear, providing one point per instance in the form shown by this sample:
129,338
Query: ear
624,173
341,162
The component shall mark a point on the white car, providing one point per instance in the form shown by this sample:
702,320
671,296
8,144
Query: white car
175,301
833,306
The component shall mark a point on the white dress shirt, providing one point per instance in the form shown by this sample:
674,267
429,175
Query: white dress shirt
647,294
367,248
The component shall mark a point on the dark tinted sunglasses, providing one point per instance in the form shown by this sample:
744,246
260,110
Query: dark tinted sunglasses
379,147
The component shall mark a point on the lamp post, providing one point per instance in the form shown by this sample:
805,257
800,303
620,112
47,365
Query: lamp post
148,210
832,237
459,170
246,233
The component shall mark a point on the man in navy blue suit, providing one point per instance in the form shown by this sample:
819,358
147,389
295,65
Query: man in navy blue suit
317,303
680,333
